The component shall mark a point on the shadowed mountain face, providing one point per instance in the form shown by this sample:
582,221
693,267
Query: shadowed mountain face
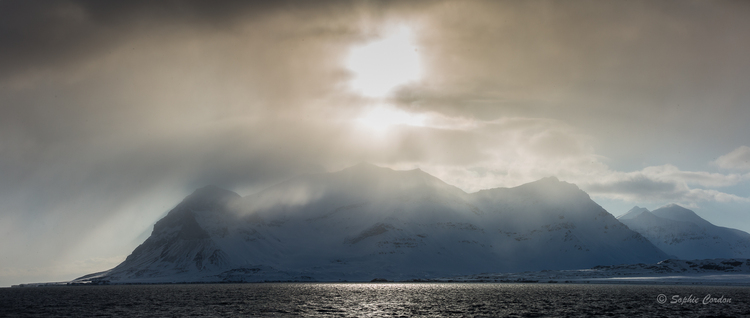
683,234
179,242
366,222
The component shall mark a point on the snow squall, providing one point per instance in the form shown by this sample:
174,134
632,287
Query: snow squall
368,222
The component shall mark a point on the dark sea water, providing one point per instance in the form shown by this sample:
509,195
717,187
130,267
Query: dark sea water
374,300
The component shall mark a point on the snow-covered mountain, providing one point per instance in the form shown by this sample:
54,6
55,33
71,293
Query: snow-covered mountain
671,271
683,234
368,222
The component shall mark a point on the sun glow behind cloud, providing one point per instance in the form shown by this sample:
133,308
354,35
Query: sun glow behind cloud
383,65
381,118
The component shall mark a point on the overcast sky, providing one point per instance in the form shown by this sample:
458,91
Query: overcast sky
112,112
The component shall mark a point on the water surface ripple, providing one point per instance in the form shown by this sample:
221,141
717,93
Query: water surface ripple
373,300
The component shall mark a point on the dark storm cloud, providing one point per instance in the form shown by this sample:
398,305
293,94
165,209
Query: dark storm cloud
509,49
36,35
85,78
41,35
668,67
107,106
74,70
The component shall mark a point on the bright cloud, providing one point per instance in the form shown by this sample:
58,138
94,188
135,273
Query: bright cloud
381,66
737,159
511,151
640,187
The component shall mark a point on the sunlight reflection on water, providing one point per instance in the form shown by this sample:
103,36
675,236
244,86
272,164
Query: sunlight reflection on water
366,300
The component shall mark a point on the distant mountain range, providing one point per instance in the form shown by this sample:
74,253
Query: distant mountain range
718,271
683,234
367,222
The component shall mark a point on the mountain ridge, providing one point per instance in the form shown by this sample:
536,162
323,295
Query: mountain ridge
683,234
366,221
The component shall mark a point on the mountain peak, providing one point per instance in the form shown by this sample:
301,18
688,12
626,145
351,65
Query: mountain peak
678,213
633,213
683,234
210,189
674,206
550,184
209,195
366,170
371,176
364,166
549,179
212,192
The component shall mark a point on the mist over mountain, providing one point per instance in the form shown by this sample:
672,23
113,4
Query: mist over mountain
683,234
368,222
